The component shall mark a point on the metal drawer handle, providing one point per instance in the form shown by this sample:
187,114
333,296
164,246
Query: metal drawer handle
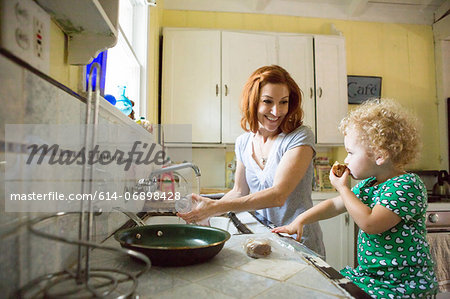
311,92
226,90
217,90
320,92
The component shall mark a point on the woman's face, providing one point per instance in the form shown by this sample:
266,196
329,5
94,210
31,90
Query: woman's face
360,162
273,106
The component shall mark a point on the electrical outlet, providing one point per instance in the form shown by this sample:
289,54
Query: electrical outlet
25,32
38,38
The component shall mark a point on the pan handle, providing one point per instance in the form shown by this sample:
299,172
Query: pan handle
131,215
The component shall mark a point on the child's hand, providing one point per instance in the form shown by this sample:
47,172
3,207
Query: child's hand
339,182
290,229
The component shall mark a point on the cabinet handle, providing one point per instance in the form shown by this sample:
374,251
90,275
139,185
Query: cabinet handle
217,90
347,219
311,91
226,90
320,92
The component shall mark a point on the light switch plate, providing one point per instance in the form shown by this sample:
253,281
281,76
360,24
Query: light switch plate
25,32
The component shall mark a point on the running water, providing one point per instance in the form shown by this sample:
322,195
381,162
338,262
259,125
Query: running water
185,204
198,185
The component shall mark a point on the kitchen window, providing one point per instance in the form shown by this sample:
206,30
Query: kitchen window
127,61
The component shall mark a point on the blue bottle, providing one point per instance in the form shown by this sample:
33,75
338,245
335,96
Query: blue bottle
123,103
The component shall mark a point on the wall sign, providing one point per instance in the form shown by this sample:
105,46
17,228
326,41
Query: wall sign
363,88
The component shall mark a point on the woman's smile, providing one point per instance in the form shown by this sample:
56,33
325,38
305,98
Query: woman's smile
273,106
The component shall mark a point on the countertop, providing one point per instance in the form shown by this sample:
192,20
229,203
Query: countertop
315,195
291,268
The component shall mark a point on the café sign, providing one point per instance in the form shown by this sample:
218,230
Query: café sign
363,88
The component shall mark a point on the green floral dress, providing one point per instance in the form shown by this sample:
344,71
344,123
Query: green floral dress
396,263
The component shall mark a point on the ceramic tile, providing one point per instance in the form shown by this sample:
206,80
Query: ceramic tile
70,108
39,255
273,268
8,221
313,279
285,290
9,275
189,291
68,228
154,282
238,284
231,257
41,102
11,94
195,272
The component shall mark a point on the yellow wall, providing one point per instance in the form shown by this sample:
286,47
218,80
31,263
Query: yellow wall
403,55
59,69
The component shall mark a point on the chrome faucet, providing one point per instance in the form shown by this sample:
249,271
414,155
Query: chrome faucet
150,184
175,167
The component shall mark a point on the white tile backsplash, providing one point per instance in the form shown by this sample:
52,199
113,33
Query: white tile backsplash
30,99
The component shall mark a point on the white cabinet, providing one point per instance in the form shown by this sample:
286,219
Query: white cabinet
296,55
191,83
338,238
317,64
242,54
331,87
204,72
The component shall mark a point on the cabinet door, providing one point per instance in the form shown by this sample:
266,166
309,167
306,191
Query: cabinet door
338,240
242,54
295,54
331,87
191,83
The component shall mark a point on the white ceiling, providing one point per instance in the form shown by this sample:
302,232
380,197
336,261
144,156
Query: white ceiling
389,11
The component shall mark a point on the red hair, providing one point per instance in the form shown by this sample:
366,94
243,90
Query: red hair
251,94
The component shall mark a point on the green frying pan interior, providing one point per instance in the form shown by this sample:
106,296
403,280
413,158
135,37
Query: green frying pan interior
174,244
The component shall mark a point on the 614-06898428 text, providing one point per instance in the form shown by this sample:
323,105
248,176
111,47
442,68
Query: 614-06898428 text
102,196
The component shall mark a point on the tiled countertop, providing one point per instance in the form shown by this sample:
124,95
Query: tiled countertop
233,274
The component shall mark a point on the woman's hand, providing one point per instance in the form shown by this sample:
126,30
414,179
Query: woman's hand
291,229
339,182
202,208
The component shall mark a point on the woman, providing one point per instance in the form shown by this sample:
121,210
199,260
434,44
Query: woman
274,168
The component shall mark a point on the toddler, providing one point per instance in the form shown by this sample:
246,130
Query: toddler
388,205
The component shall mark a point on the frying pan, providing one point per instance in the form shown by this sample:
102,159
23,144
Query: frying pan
174,244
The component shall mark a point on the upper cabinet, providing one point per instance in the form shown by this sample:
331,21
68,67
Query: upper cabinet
191,85
204,72
91,26
242,54
295,54
331,87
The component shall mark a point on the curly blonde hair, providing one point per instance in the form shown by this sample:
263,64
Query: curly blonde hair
386,128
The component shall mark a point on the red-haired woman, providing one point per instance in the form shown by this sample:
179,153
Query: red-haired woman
274,168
